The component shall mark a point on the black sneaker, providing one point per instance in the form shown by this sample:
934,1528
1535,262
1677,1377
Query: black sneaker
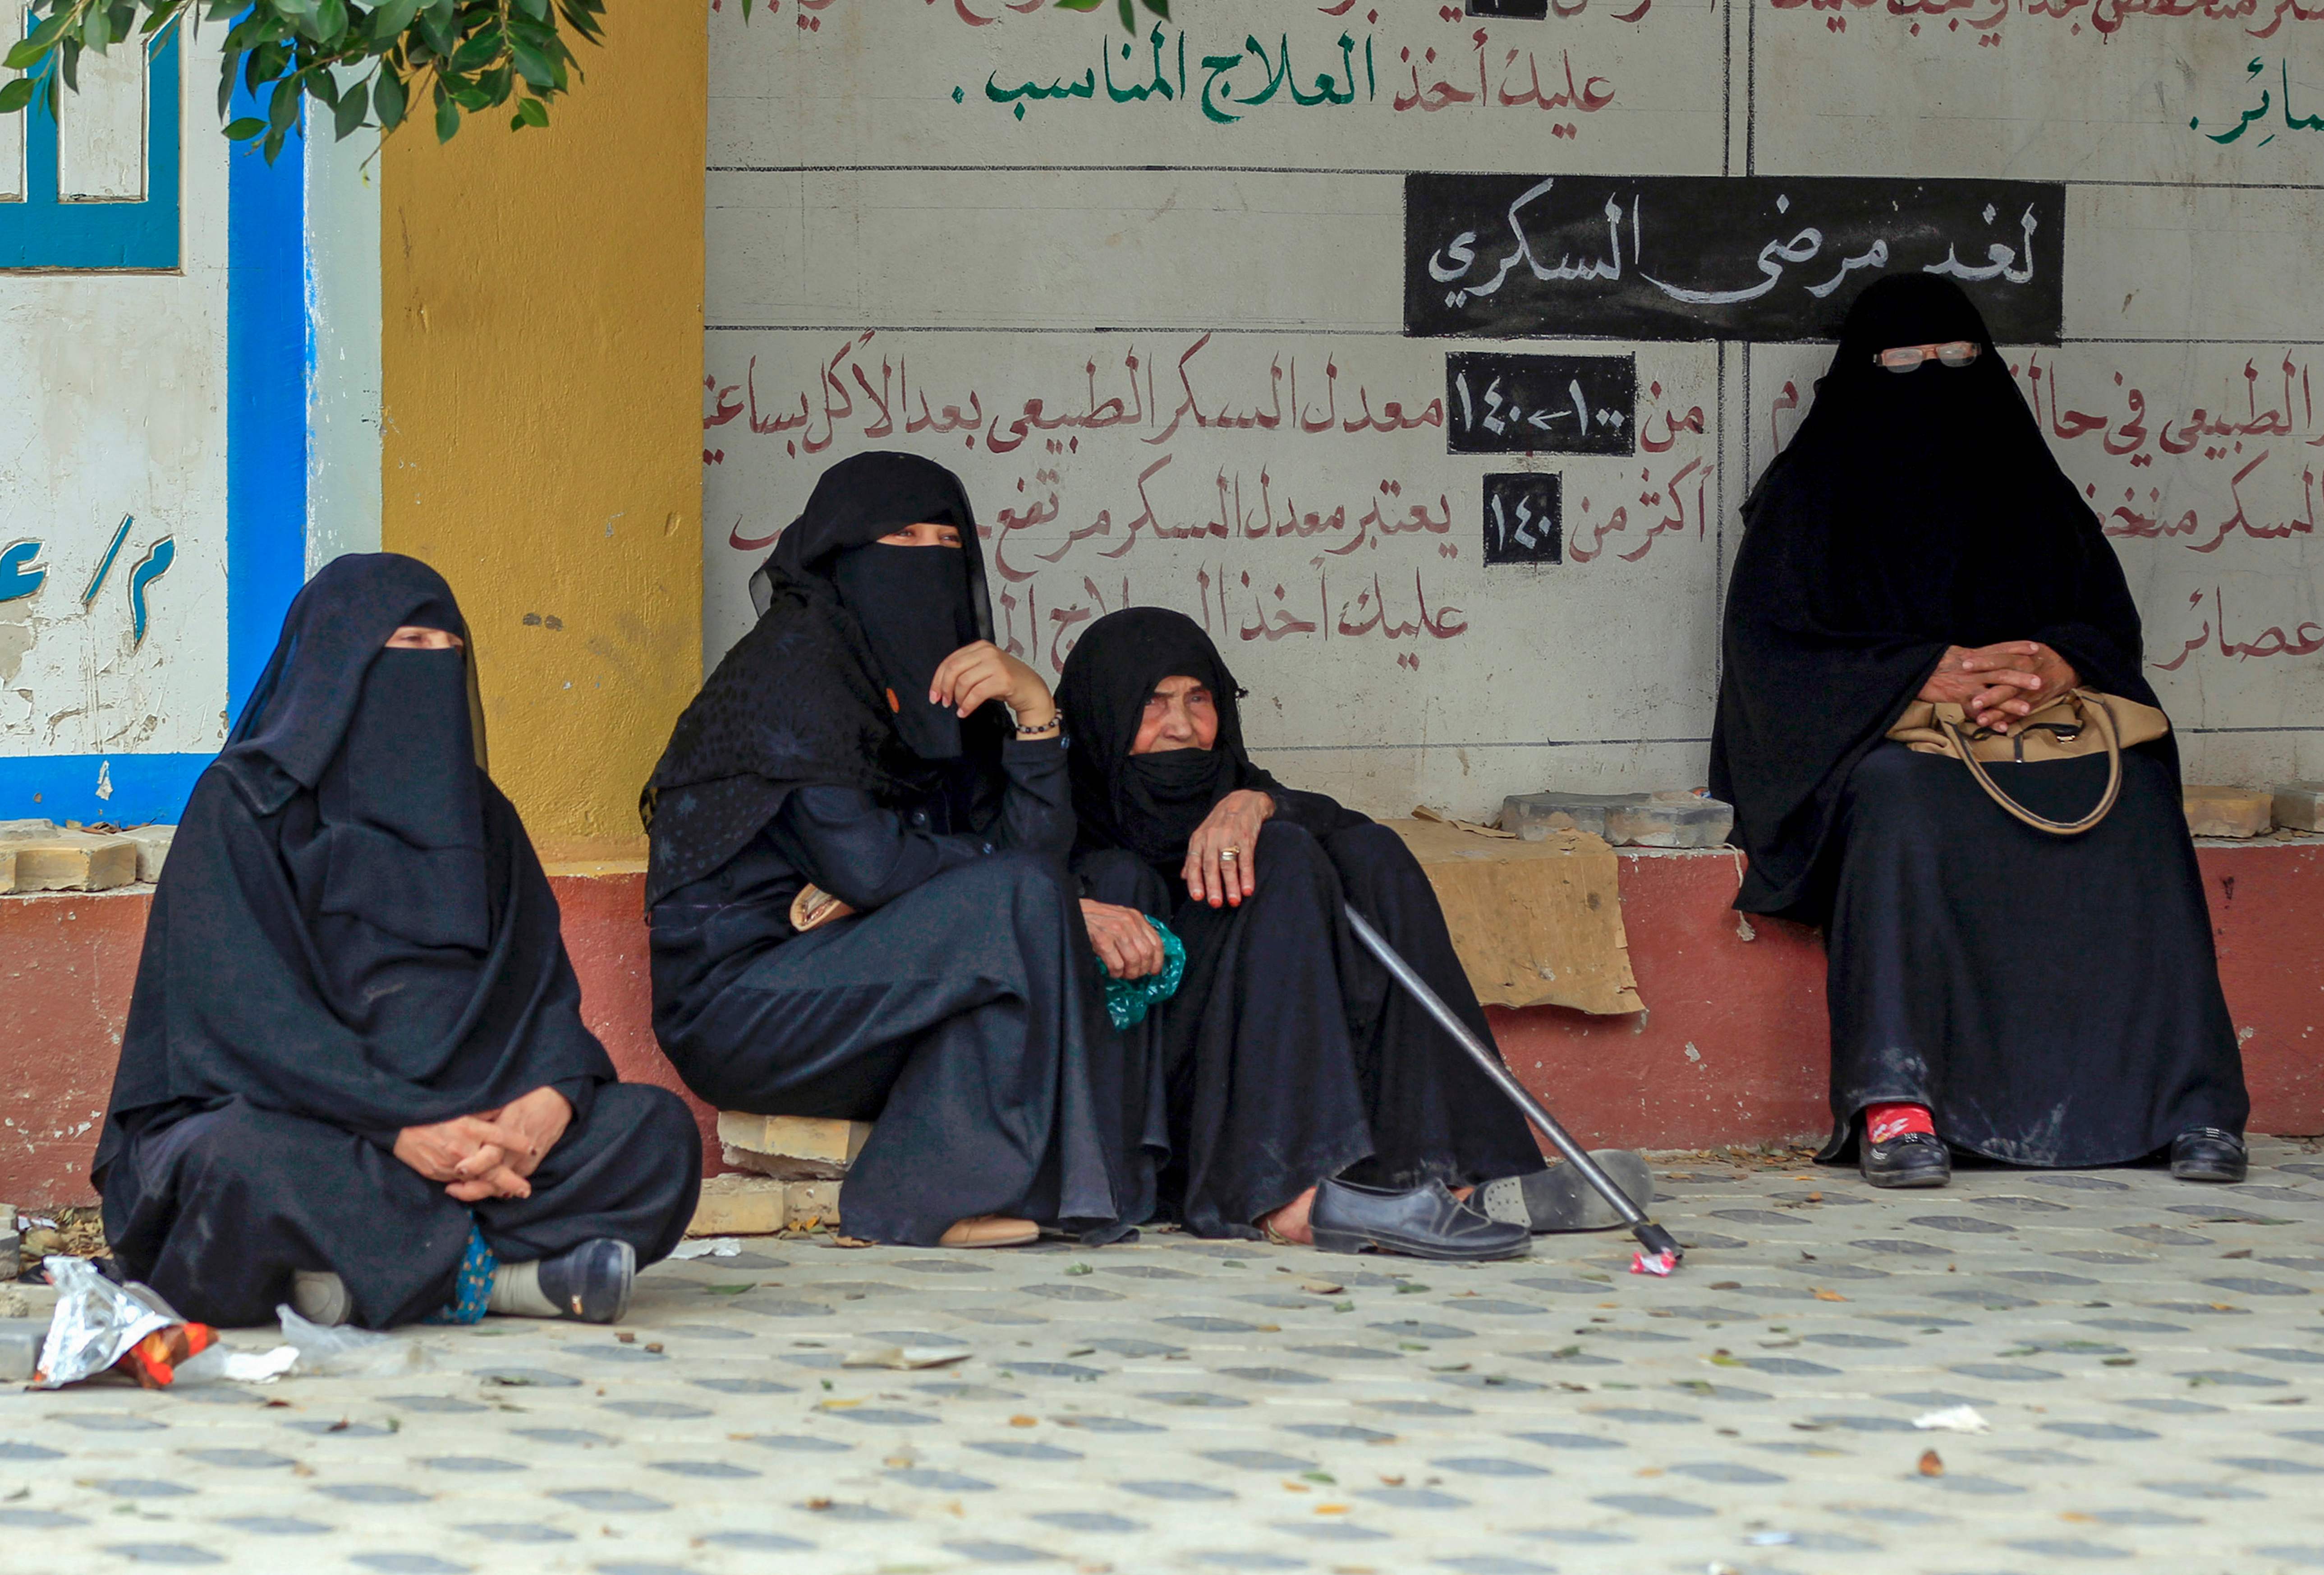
591,1282
2207,1153
1909,1159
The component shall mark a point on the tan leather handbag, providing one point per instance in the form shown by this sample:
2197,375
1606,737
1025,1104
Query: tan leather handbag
2082,721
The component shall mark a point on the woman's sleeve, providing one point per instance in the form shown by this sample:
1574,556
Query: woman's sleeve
844,841
1036,806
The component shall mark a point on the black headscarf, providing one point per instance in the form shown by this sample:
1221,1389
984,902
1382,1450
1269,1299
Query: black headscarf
830,686
1147,803
1909,513
352,925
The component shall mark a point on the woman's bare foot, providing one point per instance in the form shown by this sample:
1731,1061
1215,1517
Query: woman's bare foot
1289,1223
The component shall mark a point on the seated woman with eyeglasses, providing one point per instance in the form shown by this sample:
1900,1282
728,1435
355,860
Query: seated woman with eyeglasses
1994,989
1308,1098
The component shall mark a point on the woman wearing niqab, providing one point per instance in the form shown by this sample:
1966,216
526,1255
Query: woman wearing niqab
853,746
1306,1095
354,1076
1994,989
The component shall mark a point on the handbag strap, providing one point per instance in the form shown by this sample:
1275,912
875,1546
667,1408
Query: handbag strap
2103,719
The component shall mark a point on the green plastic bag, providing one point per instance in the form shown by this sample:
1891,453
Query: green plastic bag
1127,1001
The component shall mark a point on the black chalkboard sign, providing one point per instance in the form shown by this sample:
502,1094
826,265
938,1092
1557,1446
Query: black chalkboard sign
1522,9
1497,404
1763,258
1523,518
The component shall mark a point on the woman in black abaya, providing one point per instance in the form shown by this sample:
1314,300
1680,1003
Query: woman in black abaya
1299,1077
354,1075
2034,1000
852,747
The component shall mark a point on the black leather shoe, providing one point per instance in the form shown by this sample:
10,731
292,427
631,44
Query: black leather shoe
591,1282
2206,1153
1423,1222
1909,1159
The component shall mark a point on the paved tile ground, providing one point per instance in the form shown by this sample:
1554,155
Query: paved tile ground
2148,1354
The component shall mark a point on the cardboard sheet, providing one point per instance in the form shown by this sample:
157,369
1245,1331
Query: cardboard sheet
1536,923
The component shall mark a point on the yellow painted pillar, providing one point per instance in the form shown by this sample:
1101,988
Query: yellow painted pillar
541,364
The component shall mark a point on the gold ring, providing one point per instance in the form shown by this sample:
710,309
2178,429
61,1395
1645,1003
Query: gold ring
1229,855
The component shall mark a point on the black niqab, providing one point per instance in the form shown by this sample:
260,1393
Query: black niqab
804,697
1148,804
1909,513
352,925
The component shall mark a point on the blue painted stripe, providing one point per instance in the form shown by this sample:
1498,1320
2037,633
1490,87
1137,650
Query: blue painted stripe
146,788
269,357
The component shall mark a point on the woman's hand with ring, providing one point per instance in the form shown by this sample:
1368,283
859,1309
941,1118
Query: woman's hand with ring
1220,867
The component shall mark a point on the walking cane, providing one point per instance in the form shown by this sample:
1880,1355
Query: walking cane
1651,1236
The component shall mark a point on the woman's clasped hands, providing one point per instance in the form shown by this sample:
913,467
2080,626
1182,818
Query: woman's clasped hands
492,1153
1996,685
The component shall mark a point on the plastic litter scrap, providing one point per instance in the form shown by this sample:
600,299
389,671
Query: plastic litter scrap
1953,1419
347,1351
1659,1264
717,1247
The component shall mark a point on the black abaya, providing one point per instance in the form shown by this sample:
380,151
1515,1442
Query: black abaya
2053,1000
959,1005
353,936
1288,1054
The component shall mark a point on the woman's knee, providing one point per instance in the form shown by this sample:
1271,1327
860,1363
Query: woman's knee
1117,876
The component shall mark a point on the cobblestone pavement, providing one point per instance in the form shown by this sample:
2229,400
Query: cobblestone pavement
2147,1354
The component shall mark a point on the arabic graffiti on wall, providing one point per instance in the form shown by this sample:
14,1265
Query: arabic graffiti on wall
1687,257
1272,366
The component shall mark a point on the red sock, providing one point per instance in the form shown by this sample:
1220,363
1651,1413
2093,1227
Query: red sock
1882,1123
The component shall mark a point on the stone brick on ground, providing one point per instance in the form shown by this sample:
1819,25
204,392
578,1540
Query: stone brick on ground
2214,810
56,860
1673,818
2300,805
152,850
793,1147
762,1206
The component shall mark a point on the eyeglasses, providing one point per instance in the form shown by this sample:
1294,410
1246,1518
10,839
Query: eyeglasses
1908,357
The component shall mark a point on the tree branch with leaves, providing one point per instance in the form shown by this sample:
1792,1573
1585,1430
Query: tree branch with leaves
368,65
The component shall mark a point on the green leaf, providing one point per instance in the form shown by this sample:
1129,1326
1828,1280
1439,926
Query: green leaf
534,68
24,55
389,97
284,112
535,9
97,30
1128,16
1079,4
392,19
15,95
1160,8
529,112
69,51
349,113
243,130
447,120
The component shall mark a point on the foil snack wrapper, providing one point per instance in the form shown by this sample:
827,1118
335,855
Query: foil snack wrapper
95,1322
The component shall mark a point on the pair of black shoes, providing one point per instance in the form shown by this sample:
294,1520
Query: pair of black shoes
1920,1159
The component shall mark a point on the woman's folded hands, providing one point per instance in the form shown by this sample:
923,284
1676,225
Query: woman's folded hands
489,1154
1995,685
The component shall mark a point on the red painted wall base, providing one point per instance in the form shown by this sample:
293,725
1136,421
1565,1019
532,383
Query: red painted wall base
1731,1048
